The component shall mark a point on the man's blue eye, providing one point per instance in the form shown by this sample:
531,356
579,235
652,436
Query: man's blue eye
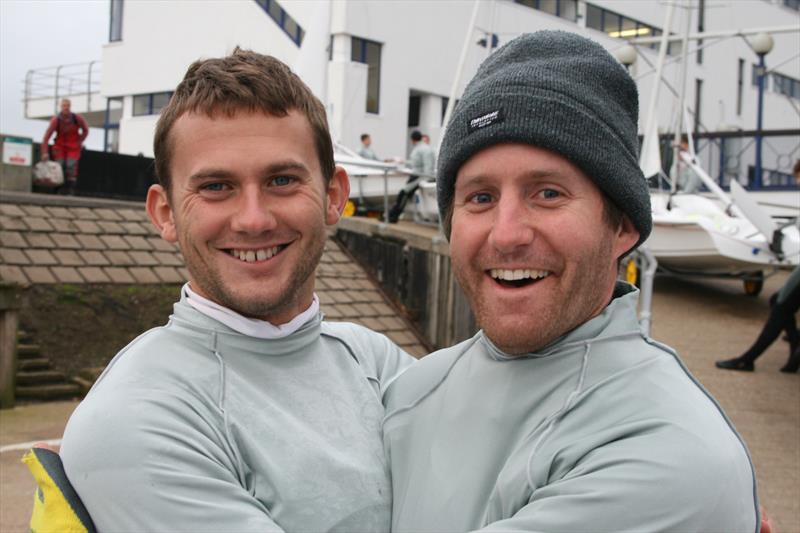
282,181
214,186
549,194
482,198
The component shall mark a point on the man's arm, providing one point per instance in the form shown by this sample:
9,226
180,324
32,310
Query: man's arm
155,461
83,128
649,482
44,148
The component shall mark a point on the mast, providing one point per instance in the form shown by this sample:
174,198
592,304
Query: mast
682,98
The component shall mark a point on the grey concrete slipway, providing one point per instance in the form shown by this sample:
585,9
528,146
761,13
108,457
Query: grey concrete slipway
704,321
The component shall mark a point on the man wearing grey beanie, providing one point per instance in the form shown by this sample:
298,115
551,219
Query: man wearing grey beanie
559,414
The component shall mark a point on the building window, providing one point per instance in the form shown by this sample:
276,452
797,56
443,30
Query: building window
115,21
756,71
369,52
739,87
698,100
566,9
414,102
620,26
283,19
785,85
111,126
792,4
701,26
150,104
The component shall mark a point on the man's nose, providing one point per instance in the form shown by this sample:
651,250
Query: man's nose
512,226
254,214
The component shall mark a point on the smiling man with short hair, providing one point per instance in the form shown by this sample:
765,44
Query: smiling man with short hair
246,412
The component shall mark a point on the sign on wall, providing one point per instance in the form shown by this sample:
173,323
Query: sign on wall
17,151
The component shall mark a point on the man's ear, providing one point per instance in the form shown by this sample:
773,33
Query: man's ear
626,237
337,195
160,212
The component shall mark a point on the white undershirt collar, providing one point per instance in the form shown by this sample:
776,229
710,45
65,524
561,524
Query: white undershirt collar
260,329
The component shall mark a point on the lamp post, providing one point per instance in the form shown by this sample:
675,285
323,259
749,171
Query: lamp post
626,55
762,44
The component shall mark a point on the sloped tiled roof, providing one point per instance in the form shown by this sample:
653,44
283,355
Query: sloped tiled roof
47,239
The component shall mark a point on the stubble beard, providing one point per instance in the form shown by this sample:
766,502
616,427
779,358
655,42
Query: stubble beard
580,300
212,282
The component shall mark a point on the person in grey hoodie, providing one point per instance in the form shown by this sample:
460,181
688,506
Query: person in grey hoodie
559,414
246,412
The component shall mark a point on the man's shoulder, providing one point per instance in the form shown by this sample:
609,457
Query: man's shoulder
424,376
370,348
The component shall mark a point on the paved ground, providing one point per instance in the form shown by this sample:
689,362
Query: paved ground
705,321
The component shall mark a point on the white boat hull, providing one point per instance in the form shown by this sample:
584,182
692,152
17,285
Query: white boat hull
695,235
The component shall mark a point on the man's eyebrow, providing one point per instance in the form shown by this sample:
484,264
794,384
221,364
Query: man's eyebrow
274,168
481,179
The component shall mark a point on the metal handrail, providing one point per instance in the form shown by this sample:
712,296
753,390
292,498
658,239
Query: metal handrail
62,81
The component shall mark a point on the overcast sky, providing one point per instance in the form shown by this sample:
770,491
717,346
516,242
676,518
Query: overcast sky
44,33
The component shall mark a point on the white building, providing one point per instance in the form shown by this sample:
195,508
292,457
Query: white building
391,64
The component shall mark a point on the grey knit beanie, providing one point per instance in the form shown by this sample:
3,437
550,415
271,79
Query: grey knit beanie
558,91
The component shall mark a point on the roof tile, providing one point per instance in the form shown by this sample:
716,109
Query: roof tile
134,228
64,225
90,242
143,258
11,210
138,243
110,227
67,274
65,240
108,214
119,275
168,259
13,274
58,212
35,211
83,213
161,245
41,257
11,223
133,216
94,274
87,226
115,242
39,240
168,275
68,258
12,239
144,275
14,256
93,257
119,258
39,275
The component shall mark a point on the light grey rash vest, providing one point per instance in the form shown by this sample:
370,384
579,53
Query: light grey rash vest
194,427
603,430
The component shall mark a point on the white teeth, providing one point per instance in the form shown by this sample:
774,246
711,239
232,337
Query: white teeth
251,256
517,274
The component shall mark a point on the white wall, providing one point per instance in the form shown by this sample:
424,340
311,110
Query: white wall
422,43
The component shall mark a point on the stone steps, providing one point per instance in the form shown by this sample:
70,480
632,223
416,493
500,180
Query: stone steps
52,391
36,379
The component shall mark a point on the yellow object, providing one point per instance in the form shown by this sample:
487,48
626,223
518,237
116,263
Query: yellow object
349,208
631,272
56,505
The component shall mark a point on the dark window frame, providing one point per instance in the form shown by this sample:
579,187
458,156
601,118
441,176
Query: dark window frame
359,54
150,110
115,13
622,25
278,14
561,9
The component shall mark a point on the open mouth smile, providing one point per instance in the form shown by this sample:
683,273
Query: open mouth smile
253,256
516,278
